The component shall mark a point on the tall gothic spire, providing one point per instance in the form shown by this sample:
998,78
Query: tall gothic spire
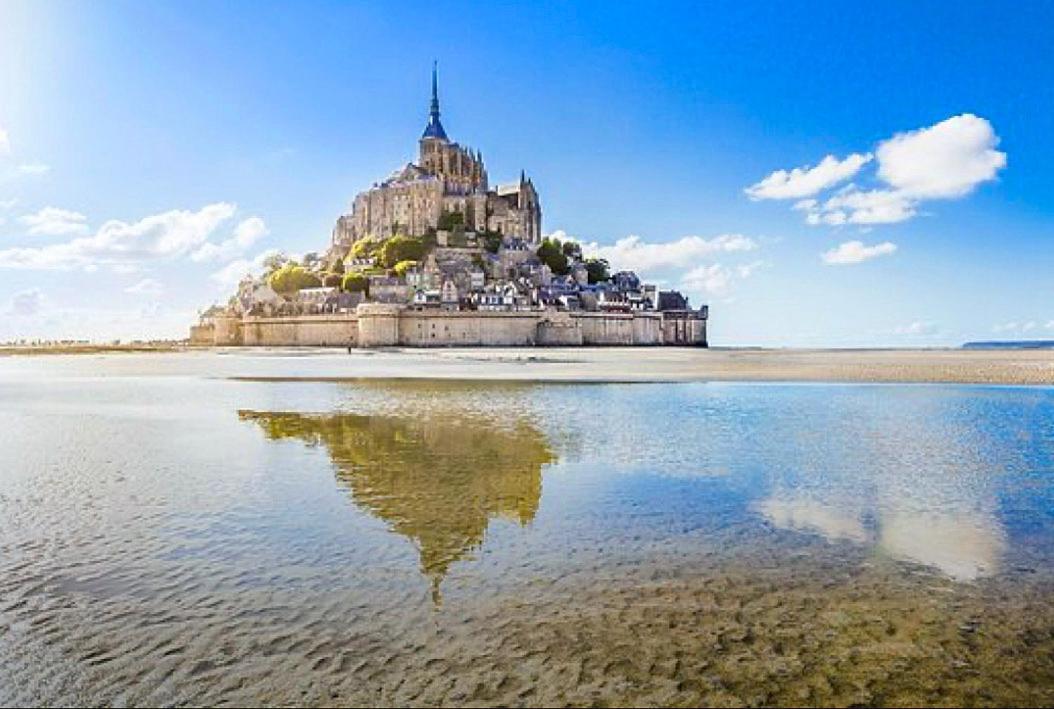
435,91
434,129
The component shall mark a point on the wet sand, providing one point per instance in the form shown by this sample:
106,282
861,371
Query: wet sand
627,364
675,630
587,364
171,537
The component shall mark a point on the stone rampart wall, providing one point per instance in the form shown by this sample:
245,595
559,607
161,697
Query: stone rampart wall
302,330
447,329
382,325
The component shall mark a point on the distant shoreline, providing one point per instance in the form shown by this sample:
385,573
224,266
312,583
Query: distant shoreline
79,349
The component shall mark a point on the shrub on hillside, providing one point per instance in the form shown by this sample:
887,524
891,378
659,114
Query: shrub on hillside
403,266
366,247
355,283
491,240
291,278
450,221
400,248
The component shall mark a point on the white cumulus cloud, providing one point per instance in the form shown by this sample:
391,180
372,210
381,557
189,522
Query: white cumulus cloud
712,279
231,274
687,263
856,252
160,236
632,252
245,235
854,206
5,142
944,161
52,221
808,180
947,160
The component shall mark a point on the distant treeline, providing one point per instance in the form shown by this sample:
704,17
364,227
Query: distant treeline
1010,345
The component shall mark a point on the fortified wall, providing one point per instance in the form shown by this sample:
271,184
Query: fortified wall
382,325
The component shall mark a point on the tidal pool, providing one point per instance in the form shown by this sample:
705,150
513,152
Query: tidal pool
169,536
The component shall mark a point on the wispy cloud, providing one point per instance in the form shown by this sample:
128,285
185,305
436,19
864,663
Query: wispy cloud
807,181
161,236
855,206
52,221
856,252
1016,327
917,328
5,142
147,286
34,168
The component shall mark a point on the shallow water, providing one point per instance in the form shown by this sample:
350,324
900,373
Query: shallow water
171,536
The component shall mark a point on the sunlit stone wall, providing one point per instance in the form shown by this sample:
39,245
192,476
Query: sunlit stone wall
445,329
303,331
384,325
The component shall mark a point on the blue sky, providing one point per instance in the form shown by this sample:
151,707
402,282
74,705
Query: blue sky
134,133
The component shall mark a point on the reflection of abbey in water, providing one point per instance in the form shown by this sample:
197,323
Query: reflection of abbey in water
435,483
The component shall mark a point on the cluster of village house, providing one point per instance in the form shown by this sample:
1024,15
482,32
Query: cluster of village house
467,277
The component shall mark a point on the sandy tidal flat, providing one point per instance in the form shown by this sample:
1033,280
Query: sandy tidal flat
683,364
582,364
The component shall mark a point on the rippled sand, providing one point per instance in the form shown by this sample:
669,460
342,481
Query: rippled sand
687,631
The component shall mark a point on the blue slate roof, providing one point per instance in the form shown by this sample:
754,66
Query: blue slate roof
434,129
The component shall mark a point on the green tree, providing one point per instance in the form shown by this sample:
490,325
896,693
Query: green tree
400,248
333,280
337,266
403,266
291,278
551,254
598,270
366,247
274,262
450,221
572,250
491,240
355,283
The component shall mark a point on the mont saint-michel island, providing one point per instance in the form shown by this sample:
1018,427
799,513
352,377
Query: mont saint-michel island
436,255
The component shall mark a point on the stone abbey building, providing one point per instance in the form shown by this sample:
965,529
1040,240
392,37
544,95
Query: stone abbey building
447,178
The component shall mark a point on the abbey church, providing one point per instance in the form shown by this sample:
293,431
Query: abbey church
447,178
